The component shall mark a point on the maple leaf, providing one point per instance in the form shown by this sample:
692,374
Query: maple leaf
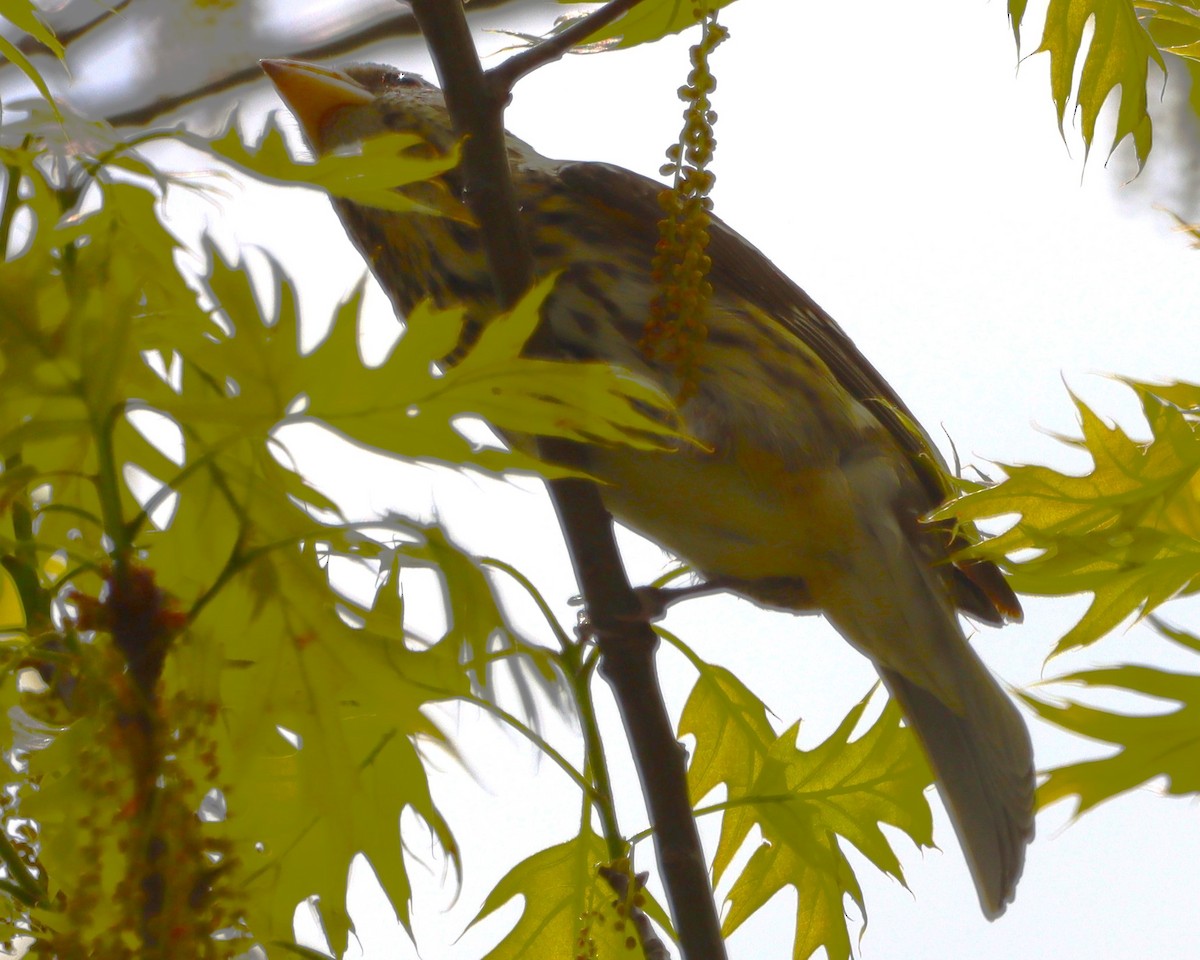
570,910
369,178
1160,744
803,802
1118,56
1128,531
650,20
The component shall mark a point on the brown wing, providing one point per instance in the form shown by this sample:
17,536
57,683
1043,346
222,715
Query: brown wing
741,269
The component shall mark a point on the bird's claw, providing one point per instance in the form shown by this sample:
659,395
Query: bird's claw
652,605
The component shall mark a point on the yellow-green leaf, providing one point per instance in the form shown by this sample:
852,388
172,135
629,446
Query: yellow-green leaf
1127,531
351,700
369,178
1175,27
652,20
23,15
406,407
569,909
806,803
1160,744
1119,55
12,611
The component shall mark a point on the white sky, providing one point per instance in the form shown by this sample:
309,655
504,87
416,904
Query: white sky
892,160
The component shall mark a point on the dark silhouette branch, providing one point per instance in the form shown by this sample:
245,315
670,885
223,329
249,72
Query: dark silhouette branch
506,75
393,27
31,46
141,116
476,103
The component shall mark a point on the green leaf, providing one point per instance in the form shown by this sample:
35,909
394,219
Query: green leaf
1118,56
569,909
1163,744
11,52
1016,14
12,611
652,20
805,803
78,309
733,736
1174,27
1182,637
352,697
369,178
406,407
1128,531
23,15
475,623
579,401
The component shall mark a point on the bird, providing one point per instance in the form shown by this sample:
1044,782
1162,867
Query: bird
810,484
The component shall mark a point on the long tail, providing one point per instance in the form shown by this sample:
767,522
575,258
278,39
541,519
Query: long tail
983,763
893,604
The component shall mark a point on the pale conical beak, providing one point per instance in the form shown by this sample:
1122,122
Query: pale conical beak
314,93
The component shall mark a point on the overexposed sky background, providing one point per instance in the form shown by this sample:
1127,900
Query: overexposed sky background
893,160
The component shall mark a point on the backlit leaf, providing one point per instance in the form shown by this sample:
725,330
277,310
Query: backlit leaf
369,178
1175,27
1165,743
1128,531
806,803
1119,55
569,910
652,20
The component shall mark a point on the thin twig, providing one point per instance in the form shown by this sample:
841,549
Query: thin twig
393,27
505,75
397,25
140,116
31,46
581,670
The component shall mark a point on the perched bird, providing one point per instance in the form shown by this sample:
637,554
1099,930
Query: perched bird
807,490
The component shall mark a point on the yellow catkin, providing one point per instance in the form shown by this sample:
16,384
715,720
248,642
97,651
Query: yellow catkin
676,329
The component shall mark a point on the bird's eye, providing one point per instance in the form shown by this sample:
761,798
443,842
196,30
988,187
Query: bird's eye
381,77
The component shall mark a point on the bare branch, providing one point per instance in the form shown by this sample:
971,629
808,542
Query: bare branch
505,76
31,46
398,25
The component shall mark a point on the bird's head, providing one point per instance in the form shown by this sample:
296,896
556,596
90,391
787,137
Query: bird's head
337,107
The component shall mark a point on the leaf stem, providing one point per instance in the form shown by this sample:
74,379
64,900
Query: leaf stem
541,743
564,641
580,671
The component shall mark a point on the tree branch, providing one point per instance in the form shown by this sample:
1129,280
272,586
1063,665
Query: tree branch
476,103
506,75
31,46
395,26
